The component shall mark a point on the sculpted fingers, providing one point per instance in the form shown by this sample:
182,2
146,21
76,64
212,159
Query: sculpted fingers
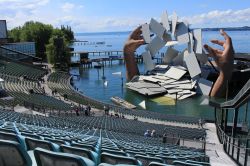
136,33
225,35
219,42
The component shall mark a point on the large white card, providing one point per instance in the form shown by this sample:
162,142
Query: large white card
191,42
148,61
175,73
182,34
155,45
174,23
204,86
197,41
165,21
156,28
146,33
170,54
192,64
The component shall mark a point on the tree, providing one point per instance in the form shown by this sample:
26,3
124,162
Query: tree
58,52
43,35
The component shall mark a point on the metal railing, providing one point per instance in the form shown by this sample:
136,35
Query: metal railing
237,148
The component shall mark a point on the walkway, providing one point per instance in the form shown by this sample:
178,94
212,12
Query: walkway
214,149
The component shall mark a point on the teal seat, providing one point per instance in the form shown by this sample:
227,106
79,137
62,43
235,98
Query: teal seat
116,159
183,163
8,136
146,160
197,162
32,143
116,152
158,164
13,154
49,158
105,164
79,145
81,152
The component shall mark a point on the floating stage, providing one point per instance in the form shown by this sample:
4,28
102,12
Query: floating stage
119,101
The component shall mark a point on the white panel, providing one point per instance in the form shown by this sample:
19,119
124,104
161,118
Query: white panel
161,67
171,91
161,77
175,73
169,86
155,45
181,82
186,96
151,79
171,43
167,81
191,43
184,92
184,86
170,55
148,62
204,86
192,64
3,29
182,33
174,23
197,41
165,21
146,33
156,28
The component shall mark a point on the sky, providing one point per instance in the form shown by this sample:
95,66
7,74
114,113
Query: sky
124,15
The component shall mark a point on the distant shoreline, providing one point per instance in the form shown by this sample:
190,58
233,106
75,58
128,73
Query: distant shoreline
244,28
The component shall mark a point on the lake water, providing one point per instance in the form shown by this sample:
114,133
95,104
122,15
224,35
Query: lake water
91,83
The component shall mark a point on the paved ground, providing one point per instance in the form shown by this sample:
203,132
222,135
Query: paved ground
214,148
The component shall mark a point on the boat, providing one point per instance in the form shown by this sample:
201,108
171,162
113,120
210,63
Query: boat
122,102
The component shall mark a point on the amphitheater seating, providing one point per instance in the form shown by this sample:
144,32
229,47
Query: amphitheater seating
20,70
56,139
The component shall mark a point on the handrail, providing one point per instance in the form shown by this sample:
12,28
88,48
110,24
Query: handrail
240,99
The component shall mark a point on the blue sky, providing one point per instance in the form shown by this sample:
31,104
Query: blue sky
123,15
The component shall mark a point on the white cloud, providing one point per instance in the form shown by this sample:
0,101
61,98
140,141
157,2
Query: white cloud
218,18
21,4
67,7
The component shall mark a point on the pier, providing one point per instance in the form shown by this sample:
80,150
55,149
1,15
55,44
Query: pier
101,58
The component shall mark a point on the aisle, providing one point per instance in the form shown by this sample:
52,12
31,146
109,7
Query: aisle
214,149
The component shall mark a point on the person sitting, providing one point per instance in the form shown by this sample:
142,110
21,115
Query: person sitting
153,133
223,59
147,133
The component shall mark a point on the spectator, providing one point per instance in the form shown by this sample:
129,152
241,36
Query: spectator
147,133
153,133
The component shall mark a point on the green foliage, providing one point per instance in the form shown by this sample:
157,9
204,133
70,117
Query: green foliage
43,35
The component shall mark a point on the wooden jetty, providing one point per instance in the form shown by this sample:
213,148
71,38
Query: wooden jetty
100,57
